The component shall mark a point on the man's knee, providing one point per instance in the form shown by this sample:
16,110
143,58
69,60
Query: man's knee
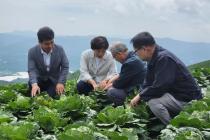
83,87
79,86
116,93
116,96
110,92
153,102
159,110
155,106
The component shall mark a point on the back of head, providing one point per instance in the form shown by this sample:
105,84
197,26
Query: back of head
45,34
118,47
99,42
143,39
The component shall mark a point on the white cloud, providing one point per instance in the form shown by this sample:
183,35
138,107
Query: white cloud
179,19
72,19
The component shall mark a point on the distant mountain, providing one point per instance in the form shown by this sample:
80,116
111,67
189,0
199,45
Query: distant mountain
189,52
15,45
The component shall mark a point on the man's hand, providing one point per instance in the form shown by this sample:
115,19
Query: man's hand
59,88
135,101
108,86
93,83
35,89
95,87
103,84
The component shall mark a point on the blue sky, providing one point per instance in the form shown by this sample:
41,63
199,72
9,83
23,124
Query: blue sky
187,20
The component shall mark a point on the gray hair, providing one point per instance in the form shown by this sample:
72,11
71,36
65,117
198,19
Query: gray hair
118,47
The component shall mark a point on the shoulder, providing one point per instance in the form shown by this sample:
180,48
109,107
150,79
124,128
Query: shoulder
58,47
171,59
163,58
134,60
87,52
108,55
33,49
166,60
133,66
164,53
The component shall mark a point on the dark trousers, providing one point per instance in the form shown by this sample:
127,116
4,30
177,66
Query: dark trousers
117,96
47,86
84,87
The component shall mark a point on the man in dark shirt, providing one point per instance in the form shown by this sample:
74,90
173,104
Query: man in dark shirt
168,84
131,75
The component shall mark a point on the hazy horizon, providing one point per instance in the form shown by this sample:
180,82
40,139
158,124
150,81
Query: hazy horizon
25,33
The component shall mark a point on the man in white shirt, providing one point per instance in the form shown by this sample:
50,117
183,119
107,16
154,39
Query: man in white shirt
97,67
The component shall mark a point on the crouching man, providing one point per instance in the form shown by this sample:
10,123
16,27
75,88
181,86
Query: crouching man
131,75
48,65
168,84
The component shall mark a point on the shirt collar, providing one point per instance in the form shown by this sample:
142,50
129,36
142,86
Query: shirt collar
43,52
104,57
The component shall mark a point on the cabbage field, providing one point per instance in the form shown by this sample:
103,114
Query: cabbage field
76,117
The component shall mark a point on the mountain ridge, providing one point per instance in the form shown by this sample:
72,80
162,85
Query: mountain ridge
16,46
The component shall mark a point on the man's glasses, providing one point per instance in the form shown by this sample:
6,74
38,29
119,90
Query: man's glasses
114,55
135,51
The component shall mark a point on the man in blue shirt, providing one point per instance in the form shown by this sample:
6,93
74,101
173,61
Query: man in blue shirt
168,84
131,75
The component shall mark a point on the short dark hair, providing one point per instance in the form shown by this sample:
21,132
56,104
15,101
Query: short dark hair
45,34
99,42
142,39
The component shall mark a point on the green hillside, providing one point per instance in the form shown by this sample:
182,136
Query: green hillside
203,64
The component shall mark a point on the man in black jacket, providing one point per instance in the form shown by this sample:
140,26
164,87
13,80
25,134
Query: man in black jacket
132,74
168,84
